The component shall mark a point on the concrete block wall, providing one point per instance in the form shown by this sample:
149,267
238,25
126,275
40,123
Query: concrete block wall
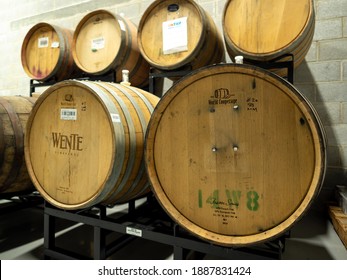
322,77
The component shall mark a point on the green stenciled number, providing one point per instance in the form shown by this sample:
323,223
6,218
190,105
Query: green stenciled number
213,199
252,202
200,199
233,197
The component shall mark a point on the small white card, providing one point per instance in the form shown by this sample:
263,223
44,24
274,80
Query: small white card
98,43
175,36
55,45
43,42
134,231
115,118
68,114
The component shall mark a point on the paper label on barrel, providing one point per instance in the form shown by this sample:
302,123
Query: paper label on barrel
43,42
122,25
68,114
115,118
175,36
55,45
98,43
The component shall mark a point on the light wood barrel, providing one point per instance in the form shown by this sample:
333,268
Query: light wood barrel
205,43
105,42
84,143
265,30
235,154
14,114
46,53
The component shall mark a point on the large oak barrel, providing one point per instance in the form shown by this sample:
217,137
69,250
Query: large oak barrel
104,42
235,154
46,53
84,143
266,30
14,114
204,42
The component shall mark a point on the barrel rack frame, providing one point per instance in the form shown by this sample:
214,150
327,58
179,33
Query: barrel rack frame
285,61
149,221
19,200
108,77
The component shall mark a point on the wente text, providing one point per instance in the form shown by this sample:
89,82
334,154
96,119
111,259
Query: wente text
67,142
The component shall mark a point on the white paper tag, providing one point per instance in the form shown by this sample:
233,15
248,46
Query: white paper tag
98,43
175,36
134,231
43,42
55,45
68,114
115,118
122,25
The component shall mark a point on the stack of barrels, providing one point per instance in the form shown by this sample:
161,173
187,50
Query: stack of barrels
234,153
102,42
94,132
85,139
171,35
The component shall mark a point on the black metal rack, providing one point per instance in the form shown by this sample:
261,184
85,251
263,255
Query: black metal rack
155,74
149,222
108,77
285,61
19,200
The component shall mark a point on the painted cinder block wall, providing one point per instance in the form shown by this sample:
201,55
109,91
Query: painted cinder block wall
322,77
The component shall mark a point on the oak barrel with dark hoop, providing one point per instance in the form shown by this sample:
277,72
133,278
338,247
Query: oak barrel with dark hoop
14,114
235,154
46,53
84,143
204,42
262,31
104,42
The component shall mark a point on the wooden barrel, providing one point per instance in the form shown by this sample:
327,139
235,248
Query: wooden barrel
84,143
105,42
14,114
266,30
235,154
46,53
204,44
